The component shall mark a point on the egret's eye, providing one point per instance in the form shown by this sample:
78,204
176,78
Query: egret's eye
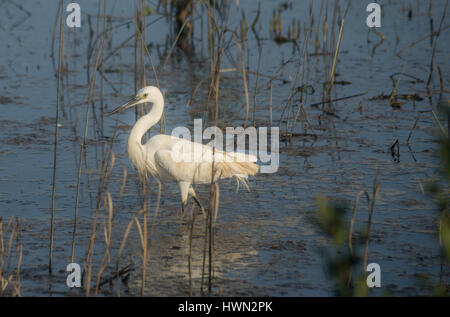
145,95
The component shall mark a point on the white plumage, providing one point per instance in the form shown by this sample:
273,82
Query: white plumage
170,158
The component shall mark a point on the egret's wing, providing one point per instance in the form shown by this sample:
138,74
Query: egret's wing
211,154
193,151
171,165
196,163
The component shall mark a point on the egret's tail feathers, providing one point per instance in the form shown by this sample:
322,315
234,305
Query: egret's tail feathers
239,170
241,179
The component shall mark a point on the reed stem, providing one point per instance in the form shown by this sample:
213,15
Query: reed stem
55,143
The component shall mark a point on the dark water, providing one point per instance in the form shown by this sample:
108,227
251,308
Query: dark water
265,243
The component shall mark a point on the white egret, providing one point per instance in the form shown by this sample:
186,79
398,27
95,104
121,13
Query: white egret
170,158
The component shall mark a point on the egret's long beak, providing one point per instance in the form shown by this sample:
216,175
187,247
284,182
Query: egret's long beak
133,102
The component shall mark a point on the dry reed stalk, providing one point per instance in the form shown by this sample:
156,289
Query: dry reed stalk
376,189
270,104
83,145
143,177
2,249
444,13
338,99
244,79
143,80
191,234
216,210
2,259
173,45
17,285
382,39
94,115
208,242
441,79
441,127
55,142
295,85
10,242
154,218
211,236
393,97
141,24
125,42
124,240
421,40
216,80
215,55
333,69
144,236
265,85
143,239
65,79
125,237
430,7
211,31
136,45
305,79
6,280
122,188
104,175
325,31
55,24
316,42
215,68
352,222
209,229
102,68
412,129
205,244
256,85
333,26
107,232
139,34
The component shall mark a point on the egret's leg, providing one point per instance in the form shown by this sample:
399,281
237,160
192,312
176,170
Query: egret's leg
183,208
194,195
184,190
200,205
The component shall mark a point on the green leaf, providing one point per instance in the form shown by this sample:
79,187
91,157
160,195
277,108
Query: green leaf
148,11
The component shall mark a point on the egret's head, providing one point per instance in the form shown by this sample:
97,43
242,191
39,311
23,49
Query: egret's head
146,94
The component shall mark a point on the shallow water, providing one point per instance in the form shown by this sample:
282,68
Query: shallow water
265,243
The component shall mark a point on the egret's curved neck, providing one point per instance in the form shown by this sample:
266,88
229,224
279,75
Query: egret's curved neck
146,122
